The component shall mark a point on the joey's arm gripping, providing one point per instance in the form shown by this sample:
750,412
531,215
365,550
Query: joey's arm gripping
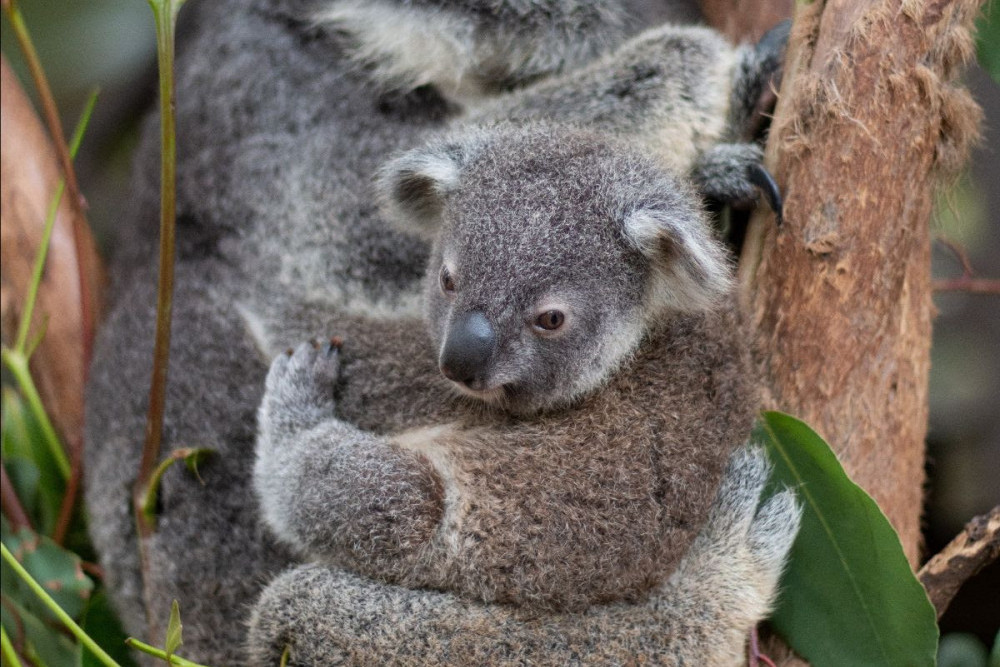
335,492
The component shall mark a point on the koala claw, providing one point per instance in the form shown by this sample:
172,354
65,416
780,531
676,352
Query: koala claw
761,178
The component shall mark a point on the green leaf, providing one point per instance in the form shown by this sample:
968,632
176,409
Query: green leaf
988,40
194,457
47,645
22,439
995,653
174,629
58,571
191,457
24,477
102,624
848,596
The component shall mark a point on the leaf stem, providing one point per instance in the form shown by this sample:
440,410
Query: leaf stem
7,649
36,273
17,363
165,14
51,604
50,220
174,659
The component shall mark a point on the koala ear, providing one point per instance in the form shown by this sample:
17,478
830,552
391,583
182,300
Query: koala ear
691,269
413,187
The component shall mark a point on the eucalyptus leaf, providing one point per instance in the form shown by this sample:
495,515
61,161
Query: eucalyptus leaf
174,629
100,622
22,438
194,457
24,477
848,596
58,571
46,644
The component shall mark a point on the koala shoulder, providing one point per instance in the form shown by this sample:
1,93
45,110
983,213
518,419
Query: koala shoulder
471,47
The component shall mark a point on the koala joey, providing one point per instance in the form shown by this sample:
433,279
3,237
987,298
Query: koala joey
284,117
576,290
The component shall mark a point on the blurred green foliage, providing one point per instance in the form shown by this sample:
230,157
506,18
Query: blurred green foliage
988,39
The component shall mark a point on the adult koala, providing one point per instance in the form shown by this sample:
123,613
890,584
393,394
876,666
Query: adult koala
281,123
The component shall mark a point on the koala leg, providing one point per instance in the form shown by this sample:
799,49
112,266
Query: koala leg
209,550
667,89
755,83
725,585
330,489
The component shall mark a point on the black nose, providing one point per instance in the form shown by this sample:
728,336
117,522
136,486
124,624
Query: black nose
467,349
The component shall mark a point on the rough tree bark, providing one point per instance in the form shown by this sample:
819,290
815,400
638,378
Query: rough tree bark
869,122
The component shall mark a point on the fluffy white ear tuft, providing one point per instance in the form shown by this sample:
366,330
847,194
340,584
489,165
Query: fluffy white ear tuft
413,188
692,270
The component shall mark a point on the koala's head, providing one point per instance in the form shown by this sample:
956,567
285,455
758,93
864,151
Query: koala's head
554,251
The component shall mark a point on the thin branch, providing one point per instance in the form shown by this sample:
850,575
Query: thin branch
755,656
68,505
960,254
967,284
165,15
974,548
10,503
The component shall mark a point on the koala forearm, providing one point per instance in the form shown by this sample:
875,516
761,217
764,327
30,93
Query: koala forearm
475,47
345,496
666,89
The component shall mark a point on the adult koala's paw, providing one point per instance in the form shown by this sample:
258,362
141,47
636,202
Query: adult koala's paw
742,550
734,174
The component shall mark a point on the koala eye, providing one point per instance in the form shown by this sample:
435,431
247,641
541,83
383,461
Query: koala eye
550,320
447,282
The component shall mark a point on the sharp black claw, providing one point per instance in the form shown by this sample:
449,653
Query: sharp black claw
762,179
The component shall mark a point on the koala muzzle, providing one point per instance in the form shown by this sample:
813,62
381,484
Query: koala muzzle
467,350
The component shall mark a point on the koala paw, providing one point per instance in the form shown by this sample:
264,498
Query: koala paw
735,564
303,379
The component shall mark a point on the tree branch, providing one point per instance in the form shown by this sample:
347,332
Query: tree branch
10,503
974,548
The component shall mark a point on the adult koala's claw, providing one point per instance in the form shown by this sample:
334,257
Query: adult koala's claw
761,178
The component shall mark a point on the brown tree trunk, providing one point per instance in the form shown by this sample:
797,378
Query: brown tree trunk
869,123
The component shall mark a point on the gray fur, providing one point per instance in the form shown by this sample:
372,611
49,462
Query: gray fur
726,582
573,489
280,134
